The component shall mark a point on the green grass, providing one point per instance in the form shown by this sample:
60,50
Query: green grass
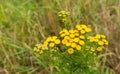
23,23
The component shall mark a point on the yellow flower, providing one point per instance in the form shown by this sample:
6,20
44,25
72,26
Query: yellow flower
78,27
89,37
103,36
83,26
71,40
40,52
82,31
76,39
57,41
64,30
70,50
62,35
67,37
81,42
64,41
78,47
72,35
54,37
97,36
67,33
52,44
44,47
49,39
73,45
76,34
106,42
63,14
45,43
68,44
76,31
36,49
99,49
100,43
82,37
92,39
92,49
67,13
71,31
96,40
88,30
59,15
39,46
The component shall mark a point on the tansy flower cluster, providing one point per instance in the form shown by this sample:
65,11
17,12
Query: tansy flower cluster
98,39
83,29
73,50
52,41
39,49
63,15
74,39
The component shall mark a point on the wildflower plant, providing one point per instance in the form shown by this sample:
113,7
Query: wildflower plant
73,51
64,16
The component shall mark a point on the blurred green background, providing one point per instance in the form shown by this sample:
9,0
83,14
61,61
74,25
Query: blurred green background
23,23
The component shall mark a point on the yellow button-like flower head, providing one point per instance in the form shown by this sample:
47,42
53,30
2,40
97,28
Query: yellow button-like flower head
81,42
76,39
73,45
57,41
72,35
71,31
48,39
82,31
70,50
64,41
82,37
36,49
78,27
88,30
45,43
41,52
103,36
99,49
68,44
52,45
63,34
97,36
78,47
100,43
83,26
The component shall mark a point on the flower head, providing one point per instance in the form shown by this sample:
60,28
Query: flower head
70,50
81,42
78,47
39,49
51,44
100,43
99,48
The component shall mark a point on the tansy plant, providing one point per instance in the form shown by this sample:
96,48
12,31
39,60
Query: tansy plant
74,51
64,16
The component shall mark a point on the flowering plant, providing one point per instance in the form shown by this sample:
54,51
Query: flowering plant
73,51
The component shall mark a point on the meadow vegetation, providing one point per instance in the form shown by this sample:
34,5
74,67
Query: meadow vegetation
25,23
